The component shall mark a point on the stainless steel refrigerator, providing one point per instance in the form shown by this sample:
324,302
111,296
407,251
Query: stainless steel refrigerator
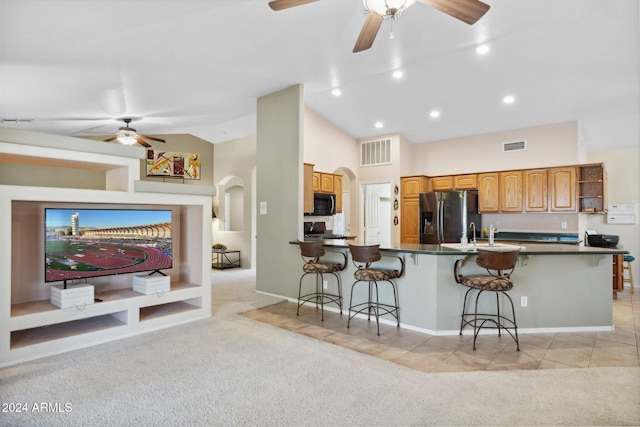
445,215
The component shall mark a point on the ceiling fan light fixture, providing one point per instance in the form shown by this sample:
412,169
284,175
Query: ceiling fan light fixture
127,136
387,8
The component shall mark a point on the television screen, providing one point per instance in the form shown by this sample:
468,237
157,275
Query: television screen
82,243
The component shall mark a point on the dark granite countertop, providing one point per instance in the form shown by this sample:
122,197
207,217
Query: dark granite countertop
526,248
537,237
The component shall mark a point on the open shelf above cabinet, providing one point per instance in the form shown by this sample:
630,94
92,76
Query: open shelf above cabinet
591,188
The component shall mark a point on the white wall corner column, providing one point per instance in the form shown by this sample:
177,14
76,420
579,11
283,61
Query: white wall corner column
279,192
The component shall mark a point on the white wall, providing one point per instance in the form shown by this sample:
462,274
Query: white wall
551,145
332,150
623,186
279,185
233,162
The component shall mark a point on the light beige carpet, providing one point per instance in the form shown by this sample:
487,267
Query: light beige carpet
230,370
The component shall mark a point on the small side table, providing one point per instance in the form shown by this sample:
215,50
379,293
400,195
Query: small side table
225,259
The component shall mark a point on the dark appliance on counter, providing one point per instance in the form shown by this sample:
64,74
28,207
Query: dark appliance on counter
318,231
444,215
602,240
323,204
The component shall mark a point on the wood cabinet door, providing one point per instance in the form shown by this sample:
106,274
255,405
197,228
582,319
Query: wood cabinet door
412,186
308,188
410,221
488,192
316,182
511,191
442,183
535,190
465,182
562,192
337,188
326,183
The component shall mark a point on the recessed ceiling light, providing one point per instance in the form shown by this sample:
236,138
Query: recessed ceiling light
509,99
379,125
482,49
435,114
397,74
336,92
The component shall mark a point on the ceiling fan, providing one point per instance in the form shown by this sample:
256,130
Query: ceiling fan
129,136
468,11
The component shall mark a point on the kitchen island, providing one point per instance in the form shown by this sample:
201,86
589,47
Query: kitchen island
567,287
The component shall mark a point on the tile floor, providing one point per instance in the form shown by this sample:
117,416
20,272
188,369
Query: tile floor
454,353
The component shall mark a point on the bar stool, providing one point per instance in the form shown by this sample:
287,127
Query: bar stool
363,257
311,253
500,266
627,266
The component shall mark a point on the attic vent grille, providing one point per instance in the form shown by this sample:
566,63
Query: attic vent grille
374,153
514,146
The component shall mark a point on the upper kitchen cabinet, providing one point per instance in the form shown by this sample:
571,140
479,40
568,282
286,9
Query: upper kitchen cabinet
323,182
465,182
535,190
489,192
337,188
411,187
591,185
326,183
562,189
511,191
441,183
308,188
454,182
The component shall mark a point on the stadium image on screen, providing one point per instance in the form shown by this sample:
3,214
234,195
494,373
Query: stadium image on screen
82,243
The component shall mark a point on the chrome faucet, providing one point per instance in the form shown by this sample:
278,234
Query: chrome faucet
492,233
473,227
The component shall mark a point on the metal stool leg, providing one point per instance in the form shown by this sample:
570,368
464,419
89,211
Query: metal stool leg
463,322
515,325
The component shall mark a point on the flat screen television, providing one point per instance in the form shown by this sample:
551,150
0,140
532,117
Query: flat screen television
84,243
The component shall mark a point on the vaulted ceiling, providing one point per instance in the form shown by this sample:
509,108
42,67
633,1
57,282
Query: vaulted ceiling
75,67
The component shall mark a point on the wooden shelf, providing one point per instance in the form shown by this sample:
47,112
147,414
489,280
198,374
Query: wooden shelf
168,309
591,188
43,334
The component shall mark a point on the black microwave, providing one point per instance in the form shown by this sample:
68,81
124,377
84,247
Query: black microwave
324,204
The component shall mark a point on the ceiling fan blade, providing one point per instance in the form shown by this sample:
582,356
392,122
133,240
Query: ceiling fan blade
141,142
286,4
110,139
152,138
468,11
368,32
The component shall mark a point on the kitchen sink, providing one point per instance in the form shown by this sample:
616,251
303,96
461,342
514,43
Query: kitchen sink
498,247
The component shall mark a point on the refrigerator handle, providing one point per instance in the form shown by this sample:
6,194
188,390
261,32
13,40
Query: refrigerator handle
440,221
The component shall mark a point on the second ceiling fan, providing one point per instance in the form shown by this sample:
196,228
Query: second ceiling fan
129,136
468,11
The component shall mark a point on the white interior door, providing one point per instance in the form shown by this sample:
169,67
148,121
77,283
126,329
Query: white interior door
376,213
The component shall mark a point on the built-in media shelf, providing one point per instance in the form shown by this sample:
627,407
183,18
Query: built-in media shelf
58,331
169,309
30,325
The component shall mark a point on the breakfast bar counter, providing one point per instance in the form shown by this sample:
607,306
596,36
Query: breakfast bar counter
557,287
